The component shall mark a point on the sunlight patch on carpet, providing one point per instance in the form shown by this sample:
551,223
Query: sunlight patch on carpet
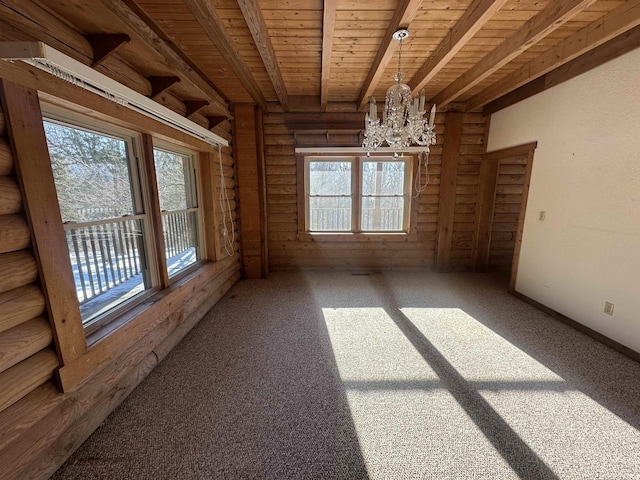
408,424
551,416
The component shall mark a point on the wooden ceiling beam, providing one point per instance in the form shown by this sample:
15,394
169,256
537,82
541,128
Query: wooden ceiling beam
304,103
258,28
39,23
553,16
613,24
402,17
42,25
323,119
159,84
139,28
328,26
473,19
323,126
614,48
213,26
194,105
104,44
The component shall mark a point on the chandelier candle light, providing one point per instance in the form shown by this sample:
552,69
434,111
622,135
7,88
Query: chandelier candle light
403,122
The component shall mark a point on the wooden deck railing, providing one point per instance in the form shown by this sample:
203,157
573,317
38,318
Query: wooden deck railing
389,219
329,219
104,254
107,253
336,219
180,231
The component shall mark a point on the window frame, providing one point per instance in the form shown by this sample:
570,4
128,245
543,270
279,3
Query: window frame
356,234
408,177
354,191
140,190
195,181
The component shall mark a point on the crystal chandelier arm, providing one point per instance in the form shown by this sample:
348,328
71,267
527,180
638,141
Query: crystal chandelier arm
403,121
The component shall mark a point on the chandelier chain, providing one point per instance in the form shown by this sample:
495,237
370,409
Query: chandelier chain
400,56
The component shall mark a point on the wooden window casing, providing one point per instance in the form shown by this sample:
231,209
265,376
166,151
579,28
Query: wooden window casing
356,233
144,186
94,237
351,196
25,94
192,208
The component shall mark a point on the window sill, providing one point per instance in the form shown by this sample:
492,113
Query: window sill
160,312
187,271
123,314
358,237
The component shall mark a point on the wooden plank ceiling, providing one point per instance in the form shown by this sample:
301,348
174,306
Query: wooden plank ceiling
296,55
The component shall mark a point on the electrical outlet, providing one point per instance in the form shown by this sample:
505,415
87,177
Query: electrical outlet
608,308
542,215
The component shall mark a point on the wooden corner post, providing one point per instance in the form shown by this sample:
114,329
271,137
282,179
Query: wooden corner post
448,184
249,159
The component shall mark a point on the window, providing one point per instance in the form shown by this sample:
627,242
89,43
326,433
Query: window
357,194
330,195
384,194
101,202
177,190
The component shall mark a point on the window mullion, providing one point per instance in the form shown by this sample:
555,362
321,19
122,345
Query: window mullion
154,218
141,191
356,201
135,171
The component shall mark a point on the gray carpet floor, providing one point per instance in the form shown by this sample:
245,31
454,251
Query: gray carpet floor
330,375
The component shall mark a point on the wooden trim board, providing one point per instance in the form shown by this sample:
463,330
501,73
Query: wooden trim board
448,184
486,205
153,209
523,211
24,124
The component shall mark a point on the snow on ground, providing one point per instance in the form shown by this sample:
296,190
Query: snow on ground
118,293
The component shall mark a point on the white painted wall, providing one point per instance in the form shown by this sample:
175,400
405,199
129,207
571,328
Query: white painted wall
586,177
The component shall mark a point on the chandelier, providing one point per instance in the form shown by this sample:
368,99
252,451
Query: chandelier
403,122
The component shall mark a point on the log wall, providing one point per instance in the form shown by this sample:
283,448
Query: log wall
287,249
40,424
27,359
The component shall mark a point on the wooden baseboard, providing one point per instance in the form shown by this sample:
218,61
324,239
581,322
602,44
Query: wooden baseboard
632,354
